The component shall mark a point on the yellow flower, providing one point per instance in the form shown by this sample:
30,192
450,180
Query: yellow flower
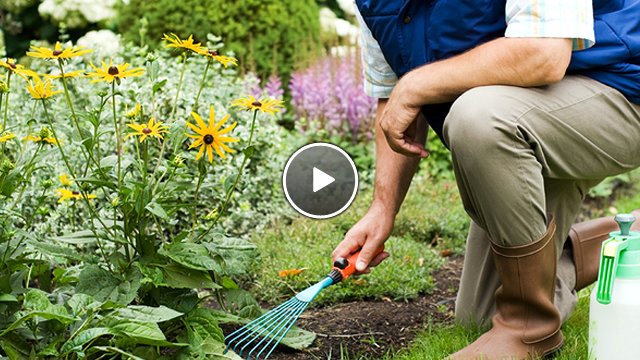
211,137
6,136
222,59
18,69
150,129
175,42
111,72
40,140
270,106
66,194
70,74
135,111
64,180
57,53
41,90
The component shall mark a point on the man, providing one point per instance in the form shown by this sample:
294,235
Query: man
537,101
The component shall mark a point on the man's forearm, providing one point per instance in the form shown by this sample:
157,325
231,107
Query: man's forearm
505,61
393,171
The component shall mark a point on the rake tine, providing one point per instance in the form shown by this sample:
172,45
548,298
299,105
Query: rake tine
275,331
253,324
281,336
275,322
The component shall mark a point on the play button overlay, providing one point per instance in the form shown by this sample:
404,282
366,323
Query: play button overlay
320,180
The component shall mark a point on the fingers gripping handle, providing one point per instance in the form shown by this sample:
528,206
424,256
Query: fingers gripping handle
345,267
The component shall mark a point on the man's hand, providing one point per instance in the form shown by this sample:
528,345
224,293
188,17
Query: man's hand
368,235
399,123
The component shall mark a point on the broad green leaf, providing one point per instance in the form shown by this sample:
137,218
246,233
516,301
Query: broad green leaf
14,351
193,256
103,285
157,86
177,276
204,324
55,250
147,313
242,303
80,303
8,298
98,182
238,254
142,332
82,338
298,339
249,150
157,210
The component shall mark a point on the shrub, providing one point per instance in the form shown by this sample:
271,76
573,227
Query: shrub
263,33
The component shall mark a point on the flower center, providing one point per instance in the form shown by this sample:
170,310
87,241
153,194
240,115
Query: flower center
13,66
75,192
256,103
208,139
146,131
57,52
213,52
113,70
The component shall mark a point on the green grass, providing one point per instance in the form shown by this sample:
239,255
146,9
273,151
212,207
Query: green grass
439,340
432,220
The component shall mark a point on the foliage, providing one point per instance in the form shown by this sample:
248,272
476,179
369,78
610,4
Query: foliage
269,37
104,238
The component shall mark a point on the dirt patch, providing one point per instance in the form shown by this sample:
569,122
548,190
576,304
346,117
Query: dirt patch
375,327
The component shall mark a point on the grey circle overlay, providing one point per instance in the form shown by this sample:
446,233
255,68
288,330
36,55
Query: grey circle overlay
332,199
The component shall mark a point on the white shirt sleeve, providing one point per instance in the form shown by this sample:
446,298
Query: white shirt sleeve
571,19
379,78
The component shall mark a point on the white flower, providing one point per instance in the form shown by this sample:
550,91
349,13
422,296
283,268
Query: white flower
347,6
104,43
77,13
330,23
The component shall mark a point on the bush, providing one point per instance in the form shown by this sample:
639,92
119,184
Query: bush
263,33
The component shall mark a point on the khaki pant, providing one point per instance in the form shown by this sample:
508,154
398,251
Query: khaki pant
521,153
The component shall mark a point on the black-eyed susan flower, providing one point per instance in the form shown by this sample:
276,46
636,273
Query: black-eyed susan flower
43,137
66,194
57,53
40,89
150,129
6,136
222,59
211,137
64,180
173,41
17,69
67,75
111,73
270,106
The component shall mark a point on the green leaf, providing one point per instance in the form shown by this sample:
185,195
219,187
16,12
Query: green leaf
177,276
298,339
75,344
248,151
81,303
43,314
202,322
238,254
115,350
103,285
157,210
147,313
98,182
157,86
54,250
8,298
142,332
242,303
77,238
193,256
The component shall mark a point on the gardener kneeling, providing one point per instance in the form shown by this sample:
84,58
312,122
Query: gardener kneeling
536,108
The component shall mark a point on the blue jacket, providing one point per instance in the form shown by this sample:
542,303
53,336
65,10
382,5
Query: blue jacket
412,33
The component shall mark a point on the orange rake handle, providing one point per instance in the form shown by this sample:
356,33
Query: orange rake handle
345,267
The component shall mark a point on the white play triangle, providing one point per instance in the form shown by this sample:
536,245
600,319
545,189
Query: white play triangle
321,179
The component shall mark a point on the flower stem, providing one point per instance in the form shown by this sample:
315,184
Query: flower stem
195,200
6,103
204,80
175,104
235,182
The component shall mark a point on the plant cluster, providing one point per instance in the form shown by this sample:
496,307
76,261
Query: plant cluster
116,186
